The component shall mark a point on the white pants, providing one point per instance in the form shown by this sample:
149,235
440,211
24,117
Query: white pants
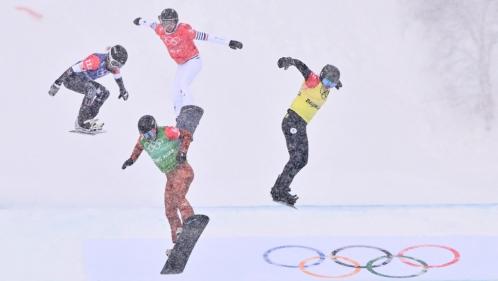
185,74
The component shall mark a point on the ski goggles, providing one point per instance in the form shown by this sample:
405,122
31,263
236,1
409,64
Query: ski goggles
328,84
169,25
150,135
113,62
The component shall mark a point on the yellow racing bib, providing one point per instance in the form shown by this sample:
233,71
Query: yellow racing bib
310,99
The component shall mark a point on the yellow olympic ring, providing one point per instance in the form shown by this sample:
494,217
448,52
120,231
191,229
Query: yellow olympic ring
356,270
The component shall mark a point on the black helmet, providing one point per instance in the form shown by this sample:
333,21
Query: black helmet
168,14
146,123
118,53
330,72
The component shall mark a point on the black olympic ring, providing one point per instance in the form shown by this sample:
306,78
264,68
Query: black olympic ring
321,255
388,255
370,264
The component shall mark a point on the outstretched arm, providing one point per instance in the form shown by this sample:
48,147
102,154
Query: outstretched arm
203,36
144,22
137,150
285,62
123,93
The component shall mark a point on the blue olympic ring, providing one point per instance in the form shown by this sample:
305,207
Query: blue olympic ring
266,256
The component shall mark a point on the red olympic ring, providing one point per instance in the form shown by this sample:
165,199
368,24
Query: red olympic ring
356,270
456,255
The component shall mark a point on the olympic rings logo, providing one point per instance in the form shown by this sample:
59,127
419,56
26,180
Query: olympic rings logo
372,265
153,145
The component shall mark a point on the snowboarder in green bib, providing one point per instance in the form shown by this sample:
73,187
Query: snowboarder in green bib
168,146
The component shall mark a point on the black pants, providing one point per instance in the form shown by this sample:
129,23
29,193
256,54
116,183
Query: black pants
294,129
95,96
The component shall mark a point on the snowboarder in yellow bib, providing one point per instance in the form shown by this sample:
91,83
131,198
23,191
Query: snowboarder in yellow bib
311,97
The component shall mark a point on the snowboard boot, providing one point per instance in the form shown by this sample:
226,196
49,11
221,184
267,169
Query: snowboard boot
283,196
178,232
168,252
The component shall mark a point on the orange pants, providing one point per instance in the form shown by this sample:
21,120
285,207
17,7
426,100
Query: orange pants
177,184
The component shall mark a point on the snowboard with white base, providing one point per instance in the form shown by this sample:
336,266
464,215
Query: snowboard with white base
95,127
87,132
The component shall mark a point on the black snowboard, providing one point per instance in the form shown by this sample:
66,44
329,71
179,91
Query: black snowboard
192,230
285,203
189,118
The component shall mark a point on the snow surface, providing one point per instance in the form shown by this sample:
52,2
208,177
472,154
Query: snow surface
129,244
386,160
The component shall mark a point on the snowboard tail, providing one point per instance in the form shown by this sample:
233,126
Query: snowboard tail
189,118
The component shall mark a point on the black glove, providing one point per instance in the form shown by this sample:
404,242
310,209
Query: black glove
54,89
181,157
137,21
123,93
235,44
284,62
339,84
127,163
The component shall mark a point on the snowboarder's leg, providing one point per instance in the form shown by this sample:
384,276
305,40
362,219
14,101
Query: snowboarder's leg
176,94
77,82
185,74
95,96
294,129
297,145
192,68
171,205
186,175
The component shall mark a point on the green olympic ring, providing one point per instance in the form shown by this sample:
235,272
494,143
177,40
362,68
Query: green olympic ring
424,265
